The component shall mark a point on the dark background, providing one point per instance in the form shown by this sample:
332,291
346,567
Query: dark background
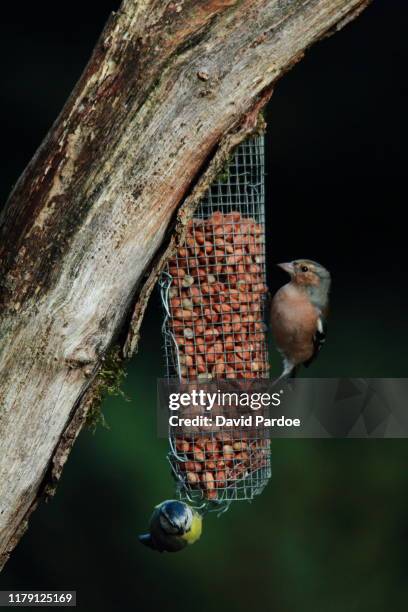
330,532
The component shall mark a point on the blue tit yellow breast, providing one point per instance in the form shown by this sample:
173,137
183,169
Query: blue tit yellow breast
194,533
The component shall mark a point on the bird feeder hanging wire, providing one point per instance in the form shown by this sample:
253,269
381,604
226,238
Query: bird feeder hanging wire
213,293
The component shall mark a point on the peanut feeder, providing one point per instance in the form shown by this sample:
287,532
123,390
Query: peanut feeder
213,292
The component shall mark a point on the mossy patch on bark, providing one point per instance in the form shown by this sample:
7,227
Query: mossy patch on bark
107,383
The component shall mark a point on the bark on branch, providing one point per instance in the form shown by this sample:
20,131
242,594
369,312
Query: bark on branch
169,89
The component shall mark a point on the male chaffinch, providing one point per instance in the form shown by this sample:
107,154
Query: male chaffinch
298,313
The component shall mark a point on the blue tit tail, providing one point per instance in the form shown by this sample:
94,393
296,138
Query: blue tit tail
147,540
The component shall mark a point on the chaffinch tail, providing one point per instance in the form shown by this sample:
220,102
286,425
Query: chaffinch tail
298,314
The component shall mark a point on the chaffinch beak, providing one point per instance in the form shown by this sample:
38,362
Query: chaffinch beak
287,267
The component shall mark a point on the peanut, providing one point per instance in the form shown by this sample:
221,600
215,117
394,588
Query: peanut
208,480
191,466
239,446
182,445
220,479
192,478
198,454
201,442
228,452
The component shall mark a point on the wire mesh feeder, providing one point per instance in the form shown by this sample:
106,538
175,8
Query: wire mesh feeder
213,293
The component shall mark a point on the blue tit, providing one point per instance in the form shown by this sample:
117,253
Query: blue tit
173,526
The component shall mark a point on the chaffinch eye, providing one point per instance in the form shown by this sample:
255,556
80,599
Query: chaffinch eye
304,269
